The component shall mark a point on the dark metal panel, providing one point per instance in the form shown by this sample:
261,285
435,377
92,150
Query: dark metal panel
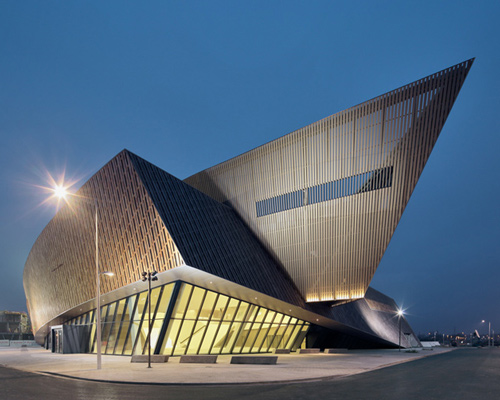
211,237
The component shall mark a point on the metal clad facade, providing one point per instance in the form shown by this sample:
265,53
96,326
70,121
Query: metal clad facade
211,237
326,199
322,202
60,270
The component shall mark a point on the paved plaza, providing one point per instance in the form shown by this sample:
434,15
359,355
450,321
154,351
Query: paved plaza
462,374
290,367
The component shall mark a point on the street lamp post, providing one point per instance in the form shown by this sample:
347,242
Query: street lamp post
489,331
98,289
400,314
98,316
61,192
149,276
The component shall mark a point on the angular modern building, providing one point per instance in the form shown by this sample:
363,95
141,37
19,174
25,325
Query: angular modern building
274,248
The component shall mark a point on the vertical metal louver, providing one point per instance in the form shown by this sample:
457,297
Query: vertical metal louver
326,198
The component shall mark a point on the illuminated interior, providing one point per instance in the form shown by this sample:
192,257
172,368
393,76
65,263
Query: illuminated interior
187,319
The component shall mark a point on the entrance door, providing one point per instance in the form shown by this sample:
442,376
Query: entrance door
57,340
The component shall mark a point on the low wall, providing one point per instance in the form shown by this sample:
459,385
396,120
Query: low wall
269,360
199,359
144,358
18,343
309,351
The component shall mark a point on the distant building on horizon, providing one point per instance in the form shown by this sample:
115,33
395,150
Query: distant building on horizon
274,248
15,325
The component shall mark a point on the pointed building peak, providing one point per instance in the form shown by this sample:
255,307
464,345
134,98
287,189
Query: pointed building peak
125,151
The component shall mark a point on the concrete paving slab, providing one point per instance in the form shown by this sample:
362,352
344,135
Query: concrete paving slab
290,367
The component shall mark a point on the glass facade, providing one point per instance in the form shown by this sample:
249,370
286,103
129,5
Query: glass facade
187,319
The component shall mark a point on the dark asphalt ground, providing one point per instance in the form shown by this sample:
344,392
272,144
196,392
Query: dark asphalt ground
457,375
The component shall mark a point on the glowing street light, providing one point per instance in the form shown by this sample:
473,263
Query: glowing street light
60,191
400,314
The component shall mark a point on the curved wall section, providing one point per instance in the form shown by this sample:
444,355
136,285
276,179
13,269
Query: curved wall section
60,270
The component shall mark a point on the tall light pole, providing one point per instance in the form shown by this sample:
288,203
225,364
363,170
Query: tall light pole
61,192
149,276
400,314
98,289
489,331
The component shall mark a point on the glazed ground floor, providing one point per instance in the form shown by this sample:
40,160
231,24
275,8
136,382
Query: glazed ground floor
181,318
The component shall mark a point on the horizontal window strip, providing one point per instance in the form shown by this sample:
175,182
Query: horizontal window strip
366,182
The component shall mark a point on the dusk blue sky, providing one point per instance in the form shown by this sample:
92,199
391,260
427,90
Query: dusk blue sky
189,84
